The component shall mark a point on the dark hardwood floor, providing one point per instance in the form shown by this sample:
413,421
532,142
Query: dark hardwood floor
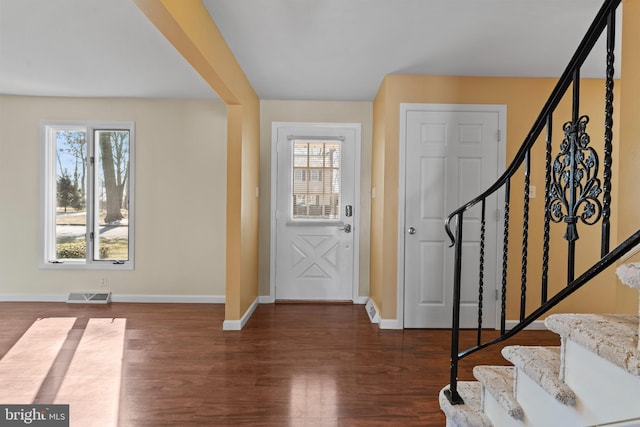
292,364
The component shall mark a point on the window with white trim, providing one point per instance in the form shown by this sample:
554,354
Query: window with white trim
87,195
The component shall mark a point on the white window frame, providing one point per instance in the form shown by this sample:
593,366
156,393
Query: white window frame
48,197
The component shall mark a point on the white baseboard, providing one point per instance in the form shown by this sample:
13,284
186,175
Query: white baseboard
176,299
268,299
33,297
237,325
179,299
537,325
390,324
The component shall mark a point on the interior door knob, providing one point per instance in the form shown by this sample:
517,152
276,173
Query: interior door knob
346,228
411,230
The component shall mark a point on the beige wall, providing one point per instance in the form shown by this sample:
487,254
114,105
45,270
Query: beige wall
524,98
190,28
319,112
180,196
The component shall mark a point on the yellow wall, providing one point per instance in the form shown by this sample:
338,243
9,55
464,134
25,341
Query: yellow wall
377,204
524,98
189,27
319,112
249,187
629,202
179,235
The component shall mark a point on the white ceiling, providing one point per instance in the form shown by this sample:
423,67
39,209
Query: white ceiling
289,49
89,48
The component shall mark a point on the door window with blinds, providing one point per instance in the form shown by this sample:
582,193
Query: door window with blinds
316,179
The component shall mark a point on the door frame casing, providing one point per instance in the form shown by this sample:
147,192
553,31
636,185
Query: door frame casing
357,128
501,109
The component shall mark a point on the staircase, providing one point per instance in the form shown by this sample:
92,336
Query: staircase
593,378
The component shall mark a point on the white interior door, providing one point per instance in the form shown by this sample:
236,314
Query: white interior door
315,212
451,157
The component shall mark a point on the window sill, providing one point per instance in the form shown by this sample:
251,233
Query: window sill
128,265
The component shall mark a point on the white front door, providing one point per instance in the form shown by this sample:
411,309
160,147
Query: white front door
452,156
315,209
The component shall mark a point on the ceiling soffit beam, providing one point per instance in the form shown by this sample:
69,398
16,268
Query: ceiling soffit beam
189,28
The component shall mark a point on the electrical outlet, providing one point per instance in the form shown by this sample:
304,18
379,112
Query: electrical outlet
103,281
532,191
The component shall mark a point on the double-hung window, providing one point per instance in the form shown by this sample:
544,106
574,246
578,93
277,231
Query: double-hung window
87,194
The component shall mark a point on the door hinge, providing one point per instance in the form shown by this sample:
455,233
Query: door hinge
91,235
92,160
497,214
498,135
497,295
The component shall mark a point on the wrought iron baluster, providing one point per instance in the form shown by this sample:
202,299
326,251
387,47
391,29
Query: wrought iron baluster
608,134
547,214
525,234
481,272
572,232
452,394
505,256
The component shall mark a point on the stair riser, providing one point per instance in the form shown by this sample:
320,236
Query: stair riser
604,391
542,409
496,412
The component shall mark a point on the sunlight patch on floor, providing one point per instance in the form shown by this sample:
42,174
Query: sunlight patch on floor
27,363
91,386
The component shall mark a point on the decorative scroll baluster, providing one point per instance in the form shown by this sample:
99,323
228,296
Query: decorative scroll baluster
525,235
481,272
608,134
575,185
505,255
547,212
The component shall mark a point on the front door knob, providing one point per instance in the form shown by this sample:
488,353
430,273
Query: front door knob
411,230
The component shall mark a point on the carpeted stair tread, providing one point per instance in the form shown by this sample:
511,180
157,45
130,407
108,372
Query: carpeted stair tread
470,413
542,365
629,274
499,382
613,337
